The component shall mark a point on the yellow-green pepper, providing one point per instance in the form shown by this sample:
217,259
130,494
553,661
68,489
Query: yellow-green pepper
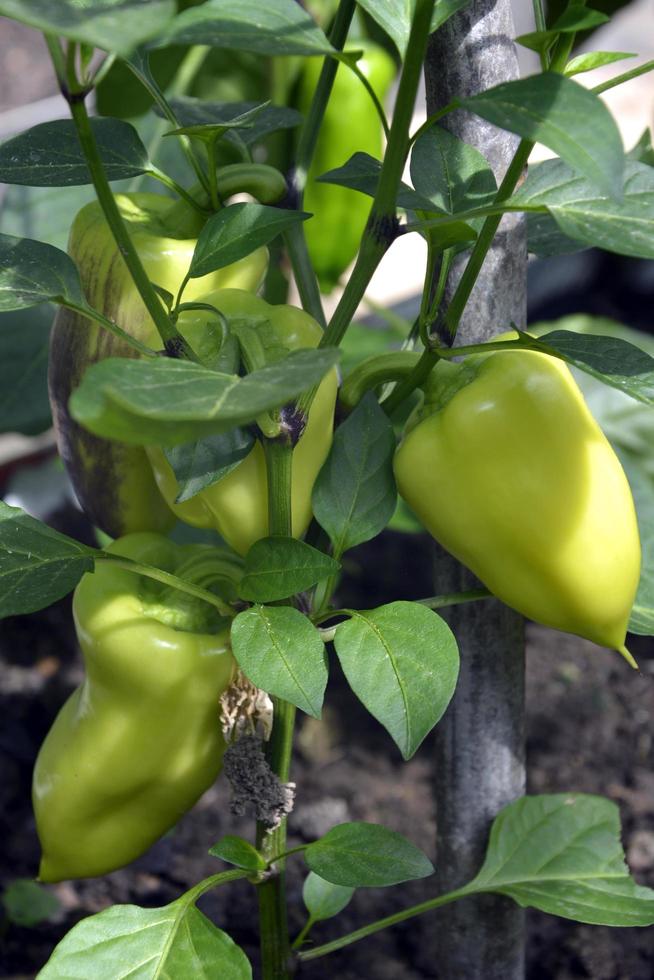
114,482
509,471
350,125
139,741
237,506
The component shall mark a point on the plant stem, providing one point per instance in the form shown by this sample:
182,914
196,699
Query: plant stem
375,371
112,327
171,339
455,598
382,223
166,578
303,271
419,374
274,938
625,77
390,920
484,241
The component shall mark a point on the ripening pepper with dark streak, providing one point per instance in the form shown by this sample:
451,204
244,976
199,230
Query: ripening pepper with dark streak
114,482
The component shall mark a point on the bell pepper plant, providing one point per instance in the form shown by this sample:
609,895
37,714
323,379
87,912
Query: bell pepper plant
185,394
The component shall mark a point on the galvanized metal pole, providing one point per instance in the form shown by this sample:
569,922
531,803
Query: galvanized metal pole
479,758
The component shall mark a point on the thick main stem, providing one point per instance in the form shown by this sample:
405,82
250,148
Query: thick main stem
273,922
479,757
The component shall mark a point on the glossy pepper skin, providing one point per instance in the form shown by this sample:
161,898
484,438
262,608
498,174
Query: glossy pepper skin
350,125
139,741
237,506
114,482
514,477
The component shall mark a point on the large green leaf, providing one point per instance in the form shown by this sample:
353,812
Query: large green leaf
583,214
127,941
562,854
354,496
169,402
50,155
114,25
402,661
279,567
236,231
32,273
277,27
395,16
366,855
566,117
281,651
37,565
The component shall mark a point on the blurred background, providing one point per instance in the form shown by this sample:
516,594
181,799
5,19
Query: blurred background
589,717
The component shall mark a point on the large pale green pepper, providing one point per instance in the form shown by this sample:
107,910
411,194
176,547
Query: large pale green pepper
508,470
350,125
114,482
237,506
139,741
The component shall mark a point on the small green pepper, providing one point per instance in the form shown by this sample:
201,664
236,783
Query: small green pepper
350,125
237,505
139,741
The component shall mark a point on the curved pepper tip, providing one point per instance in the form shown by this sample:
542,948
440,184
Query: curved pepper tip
628,657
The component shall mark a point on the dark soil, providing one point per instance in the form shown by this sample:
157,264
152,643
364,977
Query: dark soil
590,724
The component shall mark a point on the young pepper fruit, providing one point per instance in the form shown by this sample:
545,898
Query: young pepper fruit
113,481
237,505
139,741
350,124
509,471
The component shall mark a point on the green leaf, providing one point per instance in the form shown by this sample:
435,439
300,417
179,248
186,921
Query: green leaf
24,342
366,855
324,899
610,359
278,567
643,151
594,59
451,174
113,25
582,214
277,27
124,941
402,662
269,118
236,231
239,852
361,173
576,17
33,272
354,496
198,465
562,854
566,117
281,651
50,155
37,565
395,16
27,903
167,401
